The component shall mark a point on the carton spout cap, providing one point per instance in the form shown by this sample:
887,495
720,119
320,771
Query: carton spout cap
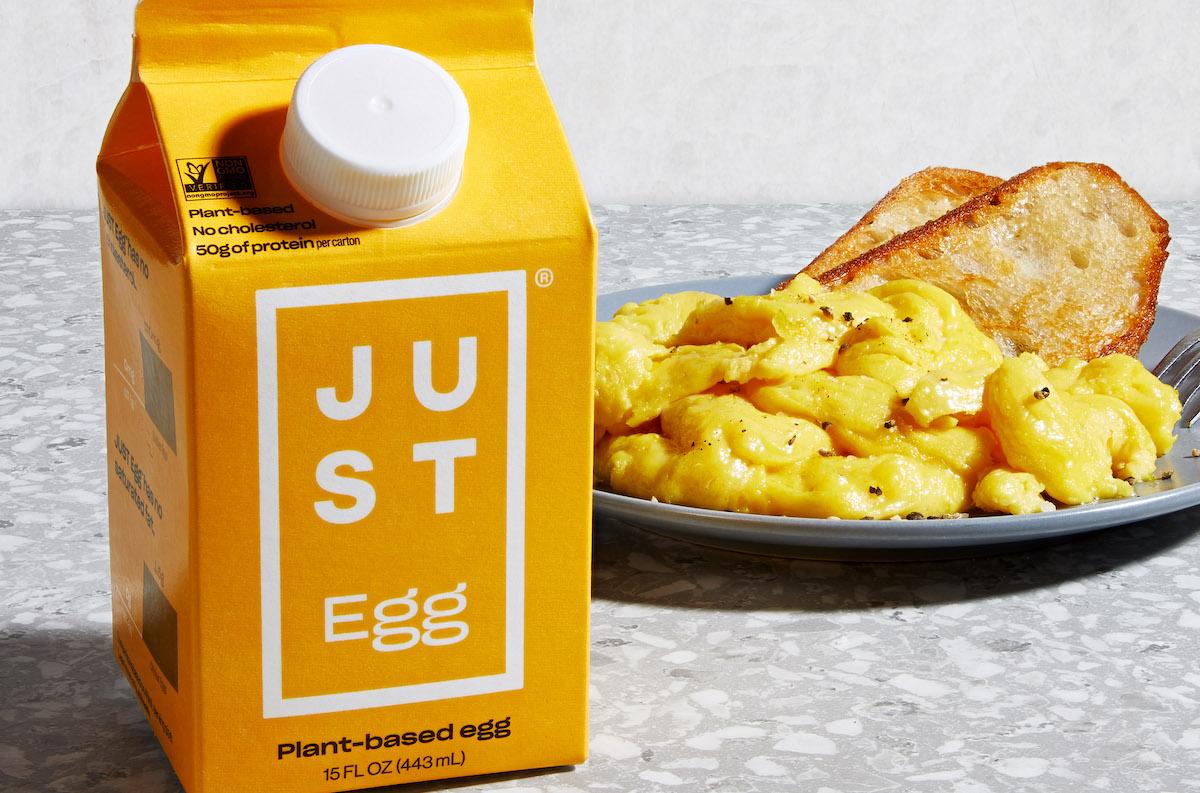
376,135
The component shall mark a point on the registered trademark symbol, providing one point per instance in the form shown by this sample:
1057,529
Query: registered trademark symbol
544,277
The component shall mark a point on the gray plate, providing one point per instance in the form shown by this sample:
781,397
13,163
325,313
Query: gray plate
816,538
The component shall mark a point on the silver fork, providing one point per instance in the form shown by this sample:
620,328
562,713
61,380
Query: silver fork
1176,366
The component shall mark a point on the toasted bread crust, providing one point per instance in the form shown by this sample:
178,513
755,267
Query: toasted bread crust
938,234
925,195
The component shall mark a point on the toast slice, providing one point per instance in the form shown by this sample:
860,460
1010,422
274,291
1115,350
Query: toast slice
1063,260
918,199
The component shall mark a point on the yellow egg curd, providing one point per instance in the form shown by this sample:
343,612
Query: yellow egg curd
876,404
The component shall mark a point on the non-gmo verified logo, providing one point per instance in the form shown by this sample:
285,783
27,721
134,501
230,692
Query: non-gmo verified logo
215,177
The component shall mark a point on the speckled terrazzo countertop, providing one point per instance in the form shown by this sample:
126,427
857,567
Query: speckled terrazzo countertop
1075,667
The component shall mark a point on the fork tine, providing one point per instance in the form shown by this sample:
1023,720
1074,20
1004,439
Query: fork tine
1176,355
1175,367
1190,398
1187,365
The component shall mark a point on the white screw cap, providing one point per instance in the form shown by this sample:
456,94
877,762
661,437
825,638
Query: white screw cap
376,135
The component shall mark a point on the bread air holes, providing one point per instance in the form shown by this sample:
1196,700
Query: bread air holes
1079,258
1127,228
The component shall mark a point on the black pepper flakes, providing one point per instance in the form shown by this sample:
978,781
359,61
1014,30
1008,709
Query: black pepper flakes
875,491
889,424
1042,393
848,316
826,452
827,311
1168,474
729,301
914,516
791,440
826,425
907,319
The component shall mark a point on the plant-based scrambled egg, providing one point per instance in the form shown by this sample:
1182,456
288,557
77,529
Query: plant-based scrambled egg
874,404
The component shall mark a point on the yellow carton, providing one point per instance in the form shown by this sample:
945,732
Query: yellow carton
349,480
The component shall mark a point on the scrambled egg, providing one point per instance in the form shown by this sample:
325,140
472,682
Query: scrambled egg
874,404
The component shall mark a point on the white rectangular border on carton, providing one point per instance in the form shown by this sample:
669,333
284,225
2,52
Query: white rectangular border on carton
268,303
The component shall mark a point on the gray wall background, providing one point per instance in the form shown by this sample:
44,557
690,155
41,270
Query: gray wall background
736,100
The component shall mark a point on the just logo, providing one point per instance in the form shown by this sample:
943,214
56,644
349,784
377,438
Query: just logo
392,428
441,453
391,632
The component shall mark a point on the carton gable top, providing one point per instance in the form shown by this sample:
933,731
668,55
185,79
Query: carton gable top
213,79
228,41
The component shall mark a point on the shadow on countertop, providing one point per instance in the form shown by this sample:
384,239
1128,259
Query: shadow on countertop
631,565
69,722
